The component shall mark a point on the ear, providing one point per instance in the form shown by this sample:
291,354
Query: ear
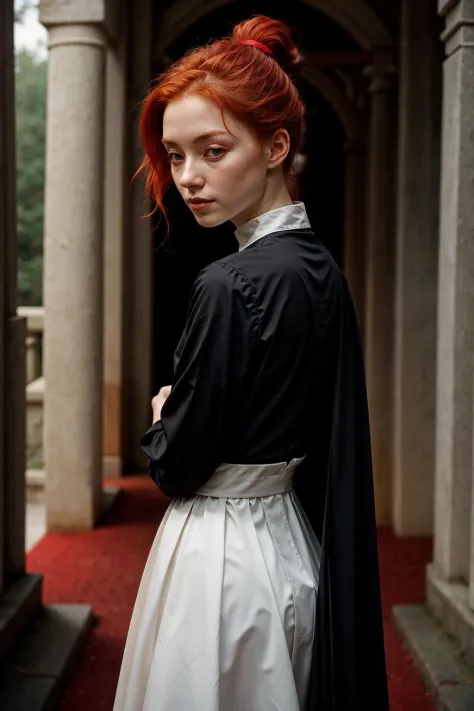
279,146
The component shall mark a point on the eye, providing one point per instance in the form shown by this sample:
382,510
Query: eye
174,157
216,152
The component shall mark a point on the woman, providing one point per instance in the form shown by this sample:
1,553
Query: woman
240,608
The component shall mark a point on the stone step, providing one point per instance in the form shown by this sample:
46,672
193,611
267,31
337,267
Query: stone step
35,671
446,674
20,601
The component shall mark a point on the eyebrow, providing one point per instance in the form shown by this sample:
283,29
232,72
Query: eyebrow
202,137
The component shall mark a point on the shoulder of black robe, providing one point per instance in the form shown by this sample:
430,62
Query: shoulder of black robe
348,669
184,446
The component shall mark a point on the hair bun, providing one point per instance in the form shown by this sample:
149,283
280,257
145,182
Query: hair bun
276,36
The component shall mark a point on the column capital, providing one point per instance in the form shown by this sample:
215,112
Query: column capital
382,73
459,30
63,35
383,78
447,6
99,13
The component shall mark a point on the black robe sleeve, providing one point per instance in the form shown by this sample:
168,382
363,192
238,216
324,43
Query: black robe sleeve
348,670
184,447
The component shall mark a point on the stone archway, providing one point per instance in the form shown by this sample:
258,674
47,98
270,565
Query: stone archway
355,16
348,114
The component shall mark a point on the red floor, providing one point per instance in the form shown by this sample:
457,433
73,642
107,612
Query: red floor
103,568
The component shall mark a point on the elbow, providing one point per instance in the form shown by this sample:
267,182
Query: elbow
171,466
154,445
153,442
170,483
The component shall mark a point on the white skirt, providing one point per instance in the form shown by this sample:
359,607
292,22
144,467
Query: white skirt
225,615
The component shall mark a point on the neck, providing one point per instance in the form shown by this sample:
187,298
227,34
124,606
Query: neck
271,200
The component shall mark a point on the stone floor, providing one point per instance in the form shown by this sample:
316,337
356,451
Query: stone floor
35,523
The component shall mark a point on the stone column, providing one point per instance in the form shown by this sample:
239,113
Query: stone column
73,270
450,586
354,223
380,276
29,679
114,187
138,283
454,433
417,269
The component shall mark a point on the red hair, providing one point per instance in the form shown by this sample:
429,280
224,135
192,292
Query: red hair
240,78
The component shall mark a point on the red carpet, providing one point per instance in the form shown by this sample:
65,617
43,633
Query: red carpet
103,568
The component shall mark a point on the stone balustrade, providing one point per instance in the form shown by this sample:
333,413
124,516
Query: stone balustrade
34,342
35,394
34,316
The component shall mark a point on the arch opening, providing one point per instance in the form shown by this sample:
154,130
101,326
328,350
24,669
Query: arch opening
355,17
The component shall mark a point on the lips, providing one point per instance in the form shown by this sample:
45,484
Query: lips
197,204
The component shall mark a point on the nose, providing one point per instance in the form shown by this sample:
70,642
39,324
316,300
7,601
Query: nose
191,176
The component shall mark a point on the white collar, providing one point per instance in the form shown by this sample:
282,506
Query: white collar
289,217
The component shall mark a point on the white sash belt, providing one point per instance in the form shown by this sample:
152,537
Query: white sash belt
246,481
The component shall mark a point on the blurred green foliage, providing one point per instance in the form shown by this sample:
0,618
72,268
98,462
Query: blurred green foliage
31,75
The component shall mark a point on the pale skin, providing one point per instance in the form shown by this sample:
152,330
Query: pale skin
226,163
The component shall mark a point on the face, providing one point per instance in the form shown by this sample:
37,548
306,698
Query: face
225,172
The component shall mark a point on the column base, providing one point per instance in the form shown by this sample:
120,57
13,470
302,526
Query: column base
38,666
448,602
445,673
109,496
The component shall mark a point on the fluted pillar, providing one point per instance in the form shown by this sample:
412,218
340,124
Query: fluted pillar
450,578
417,269
380,276
455,406
354,223
73,273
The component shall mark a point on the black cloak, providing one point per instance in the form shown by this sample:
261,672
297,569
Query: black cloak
270,368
